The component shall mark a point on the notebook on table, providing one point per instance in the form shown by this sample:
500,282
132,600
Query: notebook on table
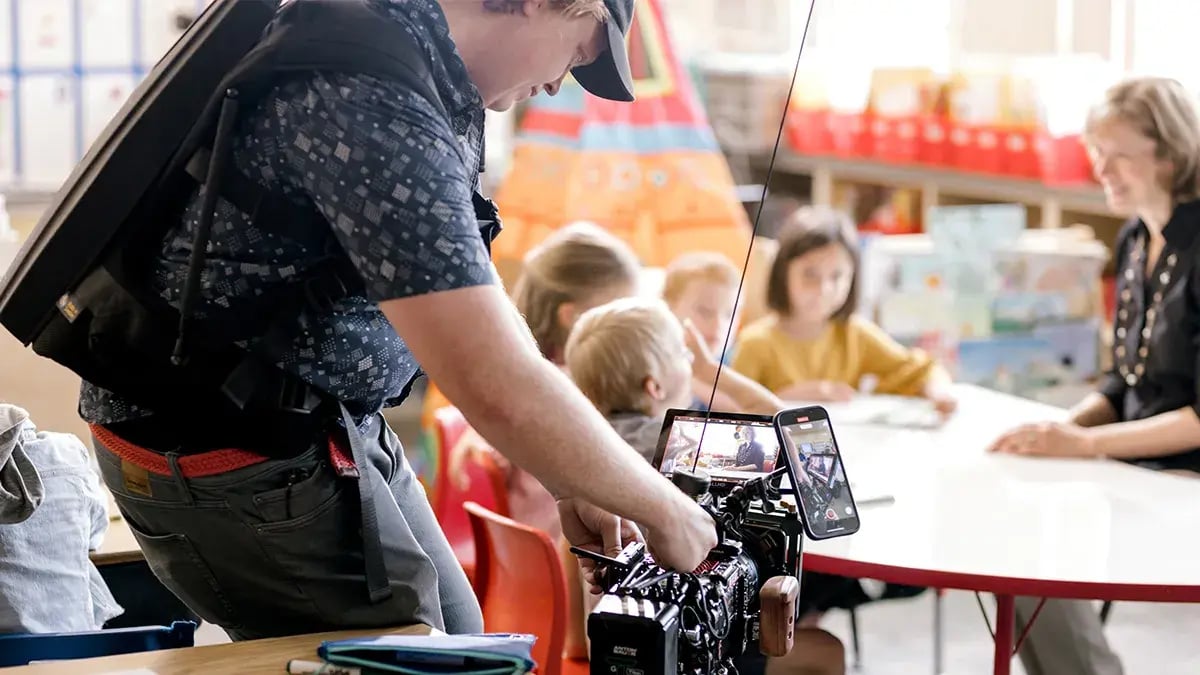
478,654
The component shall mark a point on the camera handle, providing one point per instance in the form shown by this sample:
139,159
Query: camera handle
777,603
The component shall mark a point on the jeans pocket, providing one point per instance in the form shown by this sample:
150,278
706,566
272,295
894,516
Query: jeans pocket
299,492
175,561
320,552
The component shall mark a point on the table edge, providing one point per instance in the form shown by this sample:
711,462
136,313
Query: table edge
1001,585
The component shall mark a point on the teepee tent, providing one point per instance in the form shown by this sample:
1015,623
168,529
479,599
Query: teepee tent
650,171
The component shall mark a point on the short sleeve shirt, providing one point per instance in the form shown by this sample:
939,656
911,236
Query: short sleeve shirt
392,174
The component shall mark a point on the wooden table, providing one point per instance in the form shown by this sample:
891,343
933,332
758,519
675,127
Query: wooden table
119,545
252,656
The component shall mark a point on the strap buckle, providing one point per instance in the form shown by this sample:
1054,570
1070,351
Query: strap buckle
325,289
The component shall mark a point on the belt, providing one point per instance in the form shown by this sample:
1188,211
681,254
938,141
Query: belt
347,453
212,462
276,435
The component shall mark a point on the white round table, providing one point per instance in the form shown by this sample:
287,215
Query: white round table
1013,526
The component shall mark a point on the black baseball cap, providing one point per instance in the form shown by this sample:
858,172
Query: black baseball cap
609,75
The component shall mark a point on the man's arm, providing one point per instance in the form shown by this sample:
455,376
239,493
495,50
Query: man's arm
475,346
385,168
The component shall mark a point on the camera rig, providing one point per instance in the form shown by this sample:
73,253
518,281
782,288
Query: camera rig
654,621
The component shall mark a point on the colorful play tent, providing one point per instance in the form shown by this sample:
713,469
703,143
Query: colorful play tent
651,172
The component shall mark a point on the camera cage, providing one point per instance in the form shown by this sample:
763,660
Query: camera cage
655,620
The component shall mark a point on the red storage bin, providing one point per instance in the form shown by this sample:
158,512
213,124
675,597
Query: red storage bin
848,134
1038,155
960,146
808,131
1064,160
933,143
895,139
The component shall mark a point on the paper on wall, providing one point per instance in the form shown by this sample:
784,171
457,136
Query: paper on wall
107,33
47,133
7,139
103,96
160,29
44,31
6,34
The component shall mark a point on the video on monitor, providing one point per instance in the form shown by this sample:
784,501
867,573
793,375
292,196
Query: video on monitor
735,447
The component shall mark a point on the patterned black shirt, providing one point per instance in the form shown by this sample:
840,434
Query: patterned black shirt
394,179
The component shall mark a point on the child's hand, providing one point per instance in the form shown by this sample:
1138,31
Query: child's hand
945,404
818,390
941,393
703,362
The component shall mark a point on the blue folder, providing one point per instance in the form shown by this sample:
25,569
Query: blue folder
479,654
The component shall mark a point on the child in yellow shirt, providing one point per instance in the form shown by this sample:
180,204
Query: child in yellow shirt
813,347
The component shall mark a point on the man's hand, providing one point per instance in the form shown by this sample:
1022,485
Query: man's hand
594,529
683,546
686,539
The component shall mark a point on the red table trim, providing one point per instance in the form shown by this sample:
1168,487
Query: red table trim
1038,588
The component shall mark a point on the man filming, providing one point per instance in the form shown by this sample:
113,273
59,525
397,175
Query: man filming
283,544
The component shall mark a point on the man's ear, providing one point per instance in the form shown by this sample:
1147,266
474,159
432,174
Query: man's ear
654,388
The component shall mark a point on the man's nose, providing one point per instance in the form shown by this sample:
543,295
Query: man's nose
553,87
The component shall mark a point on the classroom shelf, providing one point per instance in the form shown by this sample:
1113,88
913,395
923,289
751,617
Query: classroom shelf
1052,200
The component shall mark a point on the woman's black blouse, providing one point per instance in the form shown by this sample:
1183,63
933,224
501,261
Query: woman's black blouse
1169,377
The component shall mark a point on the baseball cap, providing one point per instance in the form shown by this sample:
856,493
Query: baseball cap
609,75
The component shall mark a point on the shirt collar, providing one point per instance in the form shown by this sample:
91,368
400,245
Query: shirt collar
1181,230
426,20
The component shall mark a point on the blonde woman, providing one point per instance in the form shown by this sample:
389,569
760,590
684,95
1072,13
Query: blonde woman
1144,141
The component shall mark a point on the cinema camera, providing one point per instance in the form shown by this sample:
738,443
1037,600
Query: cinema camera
653,621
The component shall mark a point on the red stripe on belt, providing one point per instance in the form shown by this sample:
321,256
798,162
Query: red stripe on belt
213,462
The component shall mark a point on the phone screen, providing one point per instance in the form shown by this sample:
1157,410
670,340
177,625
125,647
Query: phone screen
821,488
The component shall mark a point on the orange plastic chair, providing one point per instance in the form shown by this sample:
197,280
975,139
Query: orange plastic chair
481,481
522,587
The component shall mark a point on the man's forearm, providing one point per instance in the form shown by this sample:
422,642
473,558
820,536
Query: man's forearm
479,350
551,430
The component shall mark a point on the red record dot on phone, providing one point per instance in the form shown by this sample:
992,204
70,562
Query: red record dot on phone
830,514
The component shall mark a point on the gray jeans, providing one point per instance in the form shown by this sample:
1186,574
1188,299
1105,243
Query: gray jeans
276,548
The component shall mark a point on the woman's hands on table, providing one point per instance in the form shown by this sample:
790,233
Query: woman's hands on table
1047,439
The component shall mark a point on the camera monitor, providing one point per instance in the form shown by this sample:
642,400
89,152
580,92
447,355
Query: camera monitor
736,447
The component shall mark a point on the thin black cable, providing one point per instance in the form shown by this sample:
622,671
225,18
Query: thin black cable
754,230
